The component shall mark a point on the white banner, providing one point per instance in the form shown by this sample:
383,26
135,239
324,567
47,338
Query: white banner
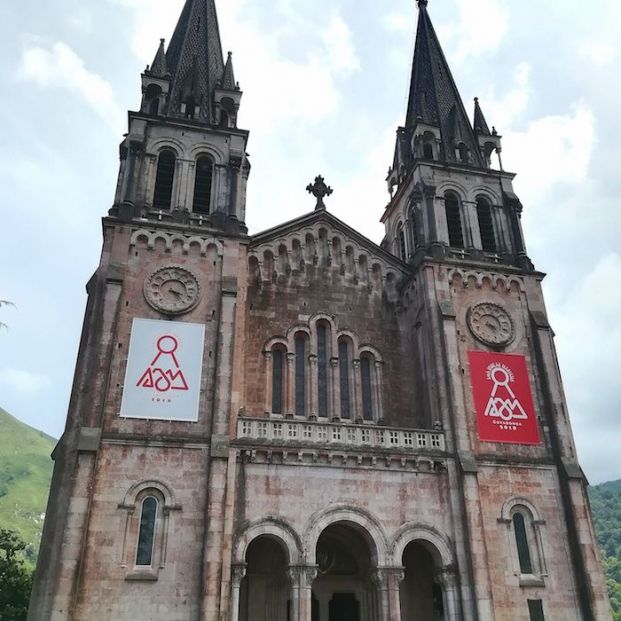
164,370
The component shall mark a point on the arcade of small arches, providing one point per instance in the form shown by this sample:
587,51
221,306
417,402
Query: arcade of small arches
343,568
322,373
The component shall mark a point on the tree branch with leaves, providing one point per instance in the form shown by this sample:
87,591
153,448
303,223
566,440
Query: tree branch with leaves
5,303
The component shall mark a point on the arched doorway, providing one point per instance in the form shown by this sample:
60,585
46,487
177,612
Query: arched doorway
343,590
421,592
265,591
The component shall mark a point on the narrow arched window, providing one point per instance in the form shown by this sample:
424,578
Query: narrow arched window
521,540
344,367
428,151
322,368
202,185
414,228
152,99
462,151
453,220
367,388
486,225
300,374
278,361
162,195
146,535
401,242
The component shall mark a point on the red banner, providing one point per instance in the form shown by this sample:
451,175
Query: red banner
503,398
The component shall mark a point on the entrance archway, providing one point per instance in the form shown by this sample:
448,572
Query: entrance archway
421,592
265,590
343,590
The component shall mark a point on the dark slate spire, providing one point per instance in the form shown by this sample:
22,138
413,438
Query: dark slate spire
228,79
434,98
195,60
480,124
159,67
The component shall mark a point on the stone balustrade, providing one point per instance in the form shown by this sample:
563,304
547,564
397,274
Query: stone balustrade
343,435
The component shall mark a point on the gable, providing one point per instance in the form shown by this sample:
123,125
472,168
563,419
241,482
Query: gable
320,240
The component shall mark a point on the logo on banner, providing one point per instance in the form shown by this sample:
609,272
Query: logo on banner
503,398
164,373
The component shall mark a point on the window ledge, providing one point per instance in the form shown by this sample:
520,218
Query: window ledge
530,580
142,575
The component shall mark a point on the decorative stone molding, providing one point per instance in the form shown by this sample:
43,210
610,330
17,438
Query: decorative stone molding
150,237
479,278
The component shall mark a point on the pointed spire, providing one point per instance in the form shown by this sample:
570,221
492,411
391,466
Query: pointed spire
195,57
228,79
159,67
480,124
434,98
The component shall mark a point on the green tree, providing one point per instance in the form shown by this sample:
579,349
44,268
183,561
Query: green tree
15,579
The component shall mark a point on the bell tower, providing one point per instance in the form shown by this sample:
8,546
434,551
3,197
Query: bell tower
148,421
184,158
474,309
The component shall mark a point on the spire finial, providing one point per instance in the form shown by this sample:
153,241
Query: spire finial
319,190
422,4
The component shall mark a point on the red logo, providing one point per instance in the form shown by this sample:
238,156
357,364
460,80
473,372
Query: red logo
164,373
503,398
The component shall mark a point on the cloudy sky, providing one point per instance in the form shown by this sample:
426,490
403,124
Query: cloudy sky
325,86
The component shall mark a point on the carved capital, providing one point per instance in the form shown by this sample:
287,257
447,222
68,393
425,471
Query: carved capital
447,577
238,573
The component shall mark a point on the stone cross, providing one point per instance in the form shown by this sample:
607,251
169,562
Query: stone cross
319,190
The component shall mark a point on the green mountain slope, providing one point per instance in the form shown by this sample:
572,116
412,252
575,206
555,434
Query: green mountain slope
25,475
606,505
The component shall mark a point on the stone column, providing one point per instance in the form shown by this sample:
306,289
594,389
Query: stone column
268,382
290,392
314,399
358,412
294,578
448,580
307,577
379,389
239,572
335,393
379,579
396,575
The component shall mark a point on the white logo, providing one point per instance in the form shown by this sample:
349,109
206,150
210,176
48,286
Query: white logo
503,403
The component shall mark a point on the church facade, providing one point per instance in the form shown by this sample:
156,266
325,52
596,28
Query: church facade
302,425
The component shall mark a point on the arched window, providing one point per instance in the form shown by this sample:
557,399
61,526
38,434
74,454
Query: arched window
146,535
278,362
367,388
414,229
486,225
152,98
521,540
190,107
462,151
344,377
428,151
162,195
300,374
202,185
453,220
323,356
401,243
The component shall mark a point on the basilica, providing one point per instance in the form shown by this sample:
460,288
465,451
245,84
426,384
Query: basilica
303,425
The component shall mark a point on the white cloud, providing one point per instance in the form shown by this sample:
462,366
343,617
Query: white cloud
398,22
599,52
506,110
481,28
23,382
81,21
552,150
339,47
60,67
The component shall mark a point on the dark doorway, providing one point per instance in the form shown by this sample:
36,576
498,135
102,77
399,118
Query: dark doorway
344,607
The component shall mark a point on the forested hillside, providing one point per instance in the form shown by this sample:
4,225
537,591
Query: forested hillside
606,505
25,475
